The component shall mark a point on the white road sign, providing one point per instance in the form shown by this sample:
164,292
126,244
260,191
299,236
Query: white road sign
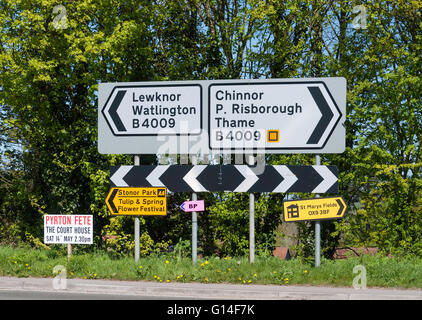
152,111
271,116
222,116
68,229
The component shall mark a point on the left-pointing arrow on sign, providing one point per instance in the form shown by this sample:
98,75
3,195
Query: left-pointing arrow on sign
113,110
110,200
191,178
117,177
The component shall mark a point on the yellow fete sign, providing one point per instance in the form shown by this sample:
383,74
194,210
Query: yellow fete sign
137,201
314,209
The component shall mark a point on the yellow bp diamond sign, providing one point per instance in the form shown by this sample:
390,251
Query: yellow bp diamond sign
137,201
314,209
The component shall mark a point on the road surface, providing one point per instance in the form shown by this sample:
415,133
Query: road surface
43,288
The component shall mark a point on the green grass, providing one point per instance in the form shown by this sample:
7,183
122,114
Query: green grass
380,271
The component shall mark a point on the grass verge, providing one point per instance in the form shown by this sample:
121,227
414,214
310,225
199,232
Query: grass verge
380,271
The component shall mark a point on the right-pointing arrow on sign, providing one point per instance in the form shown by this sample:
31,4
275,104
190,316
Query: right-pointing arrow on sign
326,117
328,179
289,179
342,206
250,178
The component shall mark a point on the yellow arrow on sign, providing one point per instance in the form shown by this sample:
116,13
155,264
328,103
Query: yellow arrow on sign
137,201
314,209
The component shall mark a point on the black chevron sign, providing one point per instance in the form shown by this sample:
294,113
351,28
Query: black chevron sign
235,178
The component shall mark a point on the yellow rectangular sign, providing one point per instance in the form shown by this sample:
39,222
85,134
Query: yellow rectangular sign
314,209
139,201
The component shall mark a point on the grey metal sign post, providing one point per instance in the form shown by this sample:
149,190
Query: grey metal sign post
194,224
137,162
317,225
251,220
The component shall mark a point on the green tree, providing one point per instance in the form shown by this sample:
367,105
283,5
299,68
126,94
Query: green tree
51,62
386,114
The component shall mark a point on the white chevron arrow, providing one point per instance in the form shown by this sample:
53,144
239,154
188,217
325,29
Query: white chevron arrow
190,178
117,177
250,178
289,179
154,177
328,179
